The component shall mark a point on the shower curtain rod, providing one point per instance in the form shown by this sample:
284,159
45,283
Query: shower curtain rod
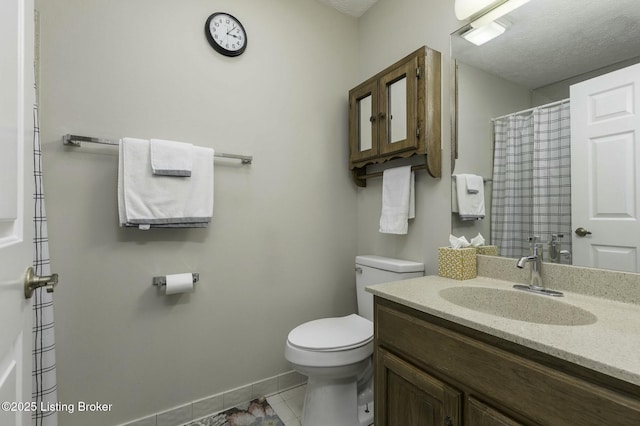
525,111
74,140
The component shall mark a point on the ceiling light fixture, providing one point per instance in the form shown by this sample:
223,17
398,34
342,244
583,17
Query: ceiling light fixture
493,9
467,8
498,12
481,35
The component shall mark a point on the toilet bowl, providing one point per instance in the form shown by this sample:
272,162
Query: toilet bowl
336,353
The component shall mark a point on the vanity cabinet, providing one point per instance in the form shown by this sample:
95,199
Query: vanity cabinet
413,396
432,371
396,114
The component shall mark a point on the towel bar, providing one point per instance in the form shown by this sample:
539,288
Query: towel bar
485,180
379,174
162,281
74,140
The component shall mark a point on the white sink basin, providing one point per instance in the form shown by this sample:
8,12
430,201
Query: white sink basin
518,305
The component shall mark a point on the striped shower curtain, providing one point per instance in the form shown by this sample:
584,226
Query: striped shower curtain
531,178
43,355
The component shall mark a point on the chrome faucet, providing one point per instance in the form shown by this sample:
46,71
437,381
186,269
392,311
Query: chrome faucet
535,259
555,249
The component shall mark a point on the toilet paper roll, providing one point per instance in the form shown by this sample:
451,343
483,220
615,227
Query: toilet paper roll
179,283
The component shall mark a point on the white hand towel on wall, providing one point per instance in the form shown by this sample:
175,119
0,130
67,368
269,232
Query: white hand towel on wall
470,204
474,183
170,158
149,201
398,200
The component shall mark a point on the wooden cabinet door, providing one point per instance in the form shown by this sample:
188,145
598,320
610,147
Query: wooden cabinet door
398,108
407,396
363,122
480,414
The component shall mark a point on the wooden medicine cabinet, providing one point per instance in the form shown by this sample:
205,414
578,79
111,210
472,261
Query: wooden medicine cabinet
396,114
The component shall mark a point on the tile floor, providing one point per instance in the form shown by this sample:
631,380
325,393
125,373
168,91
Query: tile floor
288,405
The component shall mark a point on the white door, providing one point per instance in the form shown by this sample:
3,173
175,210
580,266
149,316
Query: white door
16,189
605,170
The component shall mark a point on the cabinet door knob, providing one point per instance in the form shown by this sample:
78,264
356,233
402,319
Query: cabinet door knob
448,421
381,115
372,118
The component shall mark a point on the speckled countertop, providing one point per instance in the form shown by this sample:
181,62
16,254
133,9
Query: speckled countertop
610,344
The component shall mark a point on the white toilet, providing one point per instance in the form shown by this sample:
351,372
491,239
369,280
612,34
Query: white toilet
336,353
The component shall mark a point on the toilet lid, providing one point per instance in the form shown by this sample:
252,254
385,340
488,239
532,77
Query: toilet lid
332,333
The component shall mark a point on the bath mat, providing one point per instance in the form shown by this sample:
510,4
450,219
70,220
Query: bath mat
255,413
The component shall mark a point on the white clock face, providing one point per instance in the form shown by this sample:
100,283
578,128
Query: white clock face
227,32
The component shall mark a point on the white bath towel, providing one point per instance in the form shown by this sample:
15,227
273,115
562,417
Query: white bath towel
398,200
149,201
474,183
171,158
470,204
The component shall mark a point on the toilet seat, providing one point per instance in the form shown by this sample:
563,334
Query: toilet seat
330,342
332,334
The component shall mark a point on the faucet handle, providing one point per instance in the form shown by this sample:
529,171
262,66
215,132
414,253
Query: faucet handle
535,239
556,237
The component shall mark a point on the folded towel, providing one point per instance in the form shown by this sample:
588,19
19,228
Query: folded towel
470,204
398,200
149,201
474,183
170,158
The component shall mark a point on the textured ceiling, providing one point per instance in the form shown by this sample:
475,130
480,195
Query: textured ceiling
351,7
552,40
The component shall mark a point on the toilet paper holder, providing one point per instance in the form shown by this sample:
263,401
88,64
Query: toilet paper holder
162,281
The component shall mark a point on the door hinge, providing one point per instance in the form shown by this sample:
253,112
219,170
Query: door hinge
418,72
418,132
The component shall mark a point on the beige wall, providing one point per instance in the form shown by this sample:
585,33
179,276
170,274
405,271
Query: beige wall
389,31
281,246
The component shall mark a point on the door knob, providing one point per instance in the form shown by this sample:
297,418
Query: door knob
33,281
581,232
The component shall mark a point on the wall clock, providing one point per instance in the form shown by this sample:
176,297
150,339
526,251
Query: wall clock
226,34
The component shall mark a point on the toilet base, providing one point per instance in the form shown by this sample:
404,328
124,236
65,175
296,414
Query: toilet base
334,402
365,415
330,402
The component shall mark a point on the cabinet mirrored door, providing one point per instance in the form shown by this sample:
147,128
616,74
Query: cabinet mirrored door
398,109
365,123
397,103
364,113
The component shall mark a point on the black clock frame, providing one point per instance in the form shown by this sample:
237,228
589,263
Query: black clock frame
216,46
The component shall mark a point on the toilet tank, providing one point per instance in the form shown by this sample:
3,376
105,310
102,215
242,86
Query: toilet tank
372,269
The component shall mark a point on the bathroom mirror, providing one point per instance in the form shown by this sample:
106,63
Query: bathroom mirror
548,45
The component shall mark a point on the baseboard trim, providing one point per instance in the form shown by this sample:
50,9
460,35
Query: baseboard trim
213,404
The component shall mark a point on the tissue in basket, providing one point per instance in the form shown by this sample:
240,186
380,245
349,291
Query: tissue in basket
459,264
